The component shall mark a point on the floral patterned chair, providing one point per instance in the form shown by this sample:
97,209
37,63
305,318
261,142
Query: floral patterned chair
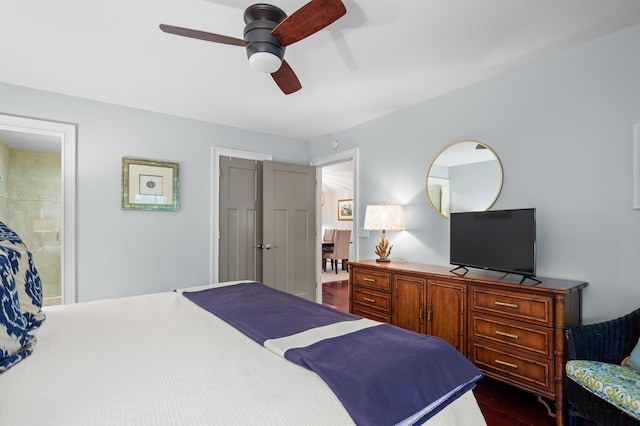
598,388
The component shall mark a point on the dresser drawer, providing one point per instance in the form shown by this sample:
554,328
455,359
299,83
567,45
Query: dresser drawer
376,316
372,300
522,336
513,304
372,279
533,373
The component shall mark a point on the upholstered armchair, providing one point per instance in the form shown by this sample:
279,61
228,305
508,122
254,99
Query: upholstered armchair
606,342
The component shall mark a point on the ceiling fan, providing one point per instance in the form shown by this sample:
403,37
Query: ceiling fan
267,32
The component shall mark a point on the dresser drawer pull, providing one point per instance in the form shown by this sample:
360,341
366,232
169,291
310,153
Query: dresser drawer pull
502,333
369,280
368,299
508,364
508,305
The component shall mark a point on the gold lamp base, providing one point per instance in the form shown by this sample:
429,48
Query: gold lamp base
383,249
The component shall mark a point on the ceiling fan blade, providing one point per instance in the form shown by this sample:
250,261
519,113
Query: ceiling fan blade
309,19
202,35
286,79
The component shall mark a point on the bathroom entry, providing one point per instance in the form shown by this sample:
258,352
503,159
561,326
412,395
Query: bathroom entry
31,204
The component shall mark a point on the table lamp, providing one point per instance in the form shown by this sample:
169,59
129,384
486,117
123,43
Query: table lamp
385,218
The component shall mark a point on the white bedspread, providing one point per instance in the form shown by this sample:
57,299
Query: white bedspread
161,360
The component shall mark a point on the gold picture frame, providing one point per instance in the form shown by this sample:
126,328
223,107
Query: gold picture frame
149,185
345,209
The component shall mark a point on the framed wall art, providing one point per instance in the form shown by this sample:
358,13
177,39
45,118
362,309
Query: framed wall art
345,209
149,185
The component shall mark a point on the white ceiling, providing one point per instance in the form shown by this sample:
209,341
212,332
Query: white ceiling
382,56
338,177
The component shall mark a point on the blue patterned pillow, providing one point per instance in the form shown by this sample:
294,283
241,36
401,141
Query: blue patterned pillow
25,274
16,343
7,234
27,281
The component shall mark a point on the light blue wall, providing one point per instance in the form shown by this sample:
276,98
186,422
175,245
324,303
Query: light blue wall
124,252
562,128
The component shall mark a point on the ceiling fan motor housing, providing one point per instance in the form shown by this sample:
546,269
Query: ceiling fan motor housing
260,19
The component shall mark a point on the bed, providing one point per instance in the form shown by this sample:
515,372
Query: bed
160,359
230,353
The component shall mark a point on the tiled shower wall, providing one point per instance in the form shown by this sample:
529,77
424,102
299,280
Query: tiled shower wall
30,204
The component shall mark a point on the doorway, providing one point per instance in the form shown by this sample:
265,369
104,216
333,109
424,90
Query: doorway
338,180
337,195
50,227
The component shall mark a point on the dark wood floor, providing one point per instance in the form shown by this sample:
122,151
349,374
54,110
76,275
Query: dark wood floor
504,405
336,295
501,405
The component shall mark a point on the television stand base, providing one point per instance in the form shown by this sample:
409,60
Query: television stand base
527,277
460,267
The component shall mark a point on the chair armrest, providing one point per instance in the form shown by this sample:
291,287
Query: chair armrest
609,341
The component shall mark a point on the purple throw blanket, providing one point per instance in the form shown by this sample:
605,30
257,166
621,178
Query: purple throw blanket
382,375
263,313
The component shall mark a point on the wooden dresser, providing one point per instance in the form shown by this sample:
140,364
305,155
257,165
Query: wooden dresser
512,332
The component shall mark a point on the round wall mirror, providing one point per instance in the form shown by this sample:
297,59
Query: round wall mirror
464,176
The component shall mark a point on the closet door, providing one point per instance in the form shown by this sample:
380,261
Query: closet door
240,219
267,216
289,217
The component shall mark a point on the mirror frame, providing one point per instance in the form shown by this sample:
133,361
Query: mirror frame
492,202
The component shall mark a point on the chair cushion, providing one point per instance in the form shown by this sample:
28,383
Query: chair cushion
634,359
616,384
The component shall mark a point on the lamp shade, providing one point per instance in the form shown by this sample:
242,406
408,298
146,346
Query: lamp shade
384,217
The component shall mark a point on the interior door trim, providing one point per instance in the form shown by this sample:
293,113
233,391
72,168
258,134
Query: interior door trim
351,154
216,153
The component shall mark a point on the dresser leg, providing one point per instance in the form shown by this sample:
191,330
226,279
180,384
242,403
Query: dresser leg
557,414
550,413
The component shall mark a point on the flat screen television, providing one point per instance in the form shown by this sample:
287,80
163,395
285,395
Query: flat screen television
497,240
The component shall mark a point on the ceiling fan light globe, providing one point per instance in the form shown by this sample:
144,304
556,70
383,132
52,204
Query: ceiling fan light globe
265,62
